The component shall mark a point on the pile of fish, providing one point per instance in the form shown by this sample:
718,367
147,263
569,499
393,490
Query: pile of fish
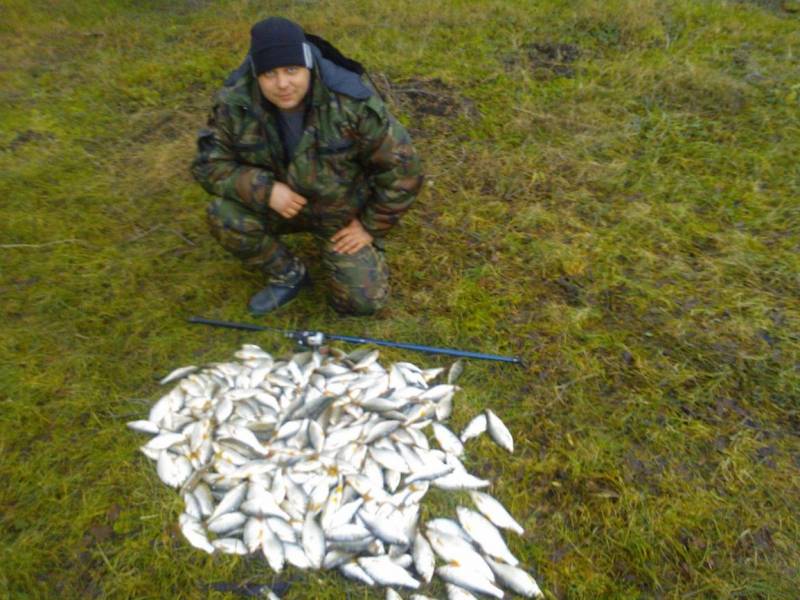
321,462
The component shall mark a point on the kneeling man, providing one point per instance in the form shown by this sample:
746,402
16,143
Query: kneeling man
298,142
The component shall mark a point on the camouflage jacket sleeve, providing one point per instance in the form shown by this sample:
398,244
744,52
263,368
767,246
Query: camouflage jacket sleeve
392,165
216,167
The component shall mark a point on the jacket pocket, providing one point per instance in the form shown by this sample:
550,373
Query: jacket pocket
336,147
257,147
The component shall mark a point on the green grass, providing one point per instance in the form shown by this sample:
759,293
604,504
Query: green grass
626,221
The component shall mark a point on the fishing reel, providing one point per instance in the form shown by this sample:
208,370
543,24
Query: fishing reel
307,339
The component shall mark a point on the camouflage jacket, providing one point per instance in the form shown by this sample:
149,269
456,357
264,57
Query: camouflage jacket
354,157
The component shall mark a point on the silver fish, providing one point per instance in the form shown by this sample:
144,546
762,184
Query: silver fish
191,506
483,533
177,374
456,551
296,556
173,470
194,533
448,440
355,571
389,459
474,428
282,529
448,527
165,440
230,546
144,426
385,572
499,432
205,501
495,512
455,592
458,480
347,532
518,580
230,501
431,374
272,549
456,369
323,461
392,595
424,561
227,522
313,541
365,362
467,579
388,528
345,513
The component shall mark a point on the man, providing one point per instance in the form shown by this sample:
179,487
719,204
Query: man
297,142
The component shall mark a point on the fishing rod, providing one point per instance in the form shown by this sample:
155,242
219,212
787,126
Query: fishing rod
314,339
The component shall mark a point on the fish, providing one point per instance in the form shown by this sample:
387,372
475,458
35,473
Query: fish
448,527
173,469
165,440
474,428
254,533
177,374
272,548
355,571
347,532
485,535
194,532
459,480
387,528
324,462
455,371
499,432
495,512
144,426
313,541
457,551
227,522
296,556
389,459
365,362
430,375
205,501
455,592
465,578
385,572
230,545
230,501
448,440
191,506
430,472
424,561
516,579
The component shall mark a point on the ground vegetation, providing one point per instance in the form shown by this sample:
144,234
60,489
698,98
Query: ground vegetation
612,194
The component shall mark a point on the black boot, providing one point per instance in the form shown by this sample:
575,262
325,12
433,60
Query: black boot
280,290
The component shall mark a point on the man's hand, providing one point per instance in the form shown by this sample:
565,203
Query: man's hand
284,201
351,238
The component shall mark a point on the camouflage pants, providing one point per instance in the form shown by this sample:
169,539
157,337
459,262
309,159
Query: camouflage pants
358,283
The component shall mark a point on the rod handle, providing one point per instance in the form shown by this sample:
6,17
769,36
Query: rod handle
227,324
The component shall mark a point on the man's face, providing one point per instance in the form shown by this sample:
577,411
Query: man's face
285,87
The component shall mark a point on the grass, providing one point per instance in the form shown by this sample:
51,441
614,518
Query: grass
621,212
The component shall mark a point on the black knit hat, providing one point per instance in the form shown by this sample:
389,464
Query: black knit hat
278,42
